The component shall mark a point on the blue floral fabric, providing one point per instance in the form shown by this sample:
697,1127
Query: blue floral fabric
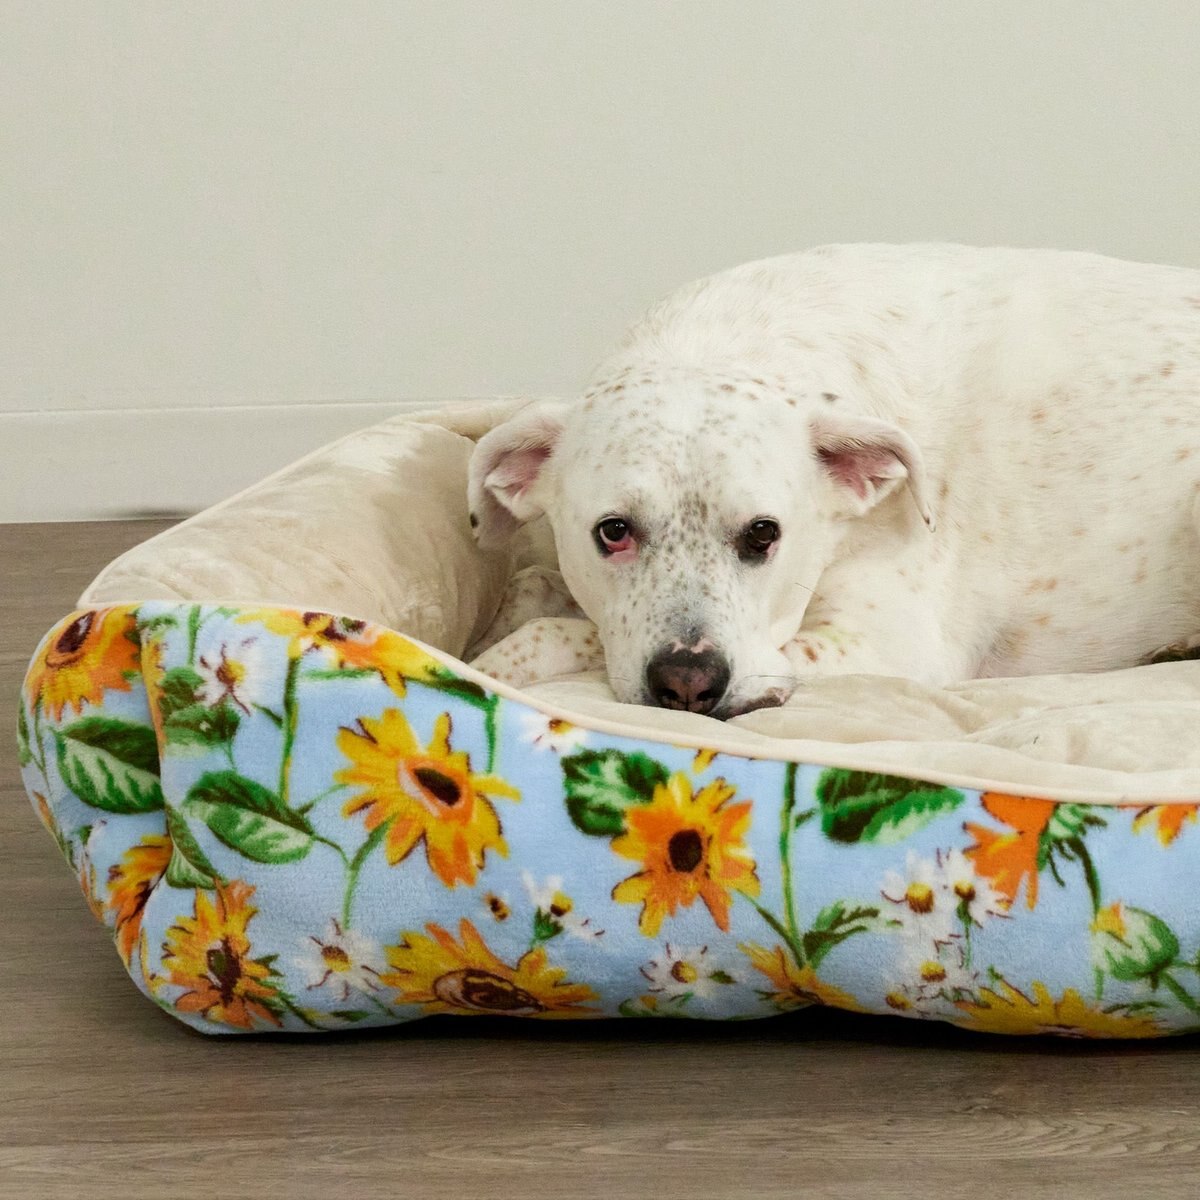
294,820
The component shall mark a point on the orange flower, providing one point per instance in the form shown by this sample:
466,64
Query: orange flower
88,654
1009,858
690,847
1167,819
130,883
792,986
464,976
423,793
208,955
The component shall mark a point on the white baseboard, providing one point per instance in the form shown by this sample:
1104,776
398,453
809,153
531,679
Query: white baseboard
116,463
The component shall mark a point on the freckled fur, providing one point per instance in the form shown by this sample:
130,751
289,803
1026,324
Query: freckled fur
1055,402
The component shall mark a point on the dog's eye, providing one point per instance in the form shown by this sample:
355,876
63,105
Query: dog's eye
757,538
613,535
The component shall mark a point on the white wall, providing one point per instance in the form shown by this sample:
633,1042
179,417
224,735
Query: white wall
208,208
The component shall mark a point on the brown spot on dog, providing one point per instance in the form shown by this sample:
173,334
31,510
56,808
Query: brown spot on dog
1043,585
1078,531
727,387
1167,370
1038,414
1184,452
1043,620
809,652
829,397
791,401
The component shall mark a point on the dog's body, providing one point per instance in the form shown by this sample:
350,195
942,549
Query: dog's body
926,461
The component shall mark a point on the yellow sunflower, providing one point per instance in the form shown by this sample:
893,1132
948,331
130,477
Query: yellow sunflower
464,976
350,643
425,793
87,655
690,846
1008,1010
792,986
208,955
130,883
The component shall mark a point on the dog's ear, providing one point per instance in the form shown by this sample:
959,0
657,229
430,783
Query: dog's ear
866,459
504,467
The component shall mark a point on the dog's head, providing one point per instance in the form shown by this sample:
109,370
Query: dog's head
693,514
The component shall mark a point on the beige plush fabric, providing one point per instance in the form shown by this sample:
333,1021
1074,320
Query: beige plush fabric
375,526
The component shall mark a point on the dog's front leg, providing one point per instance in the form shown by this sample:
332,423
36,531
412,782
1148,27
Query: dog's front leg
859,635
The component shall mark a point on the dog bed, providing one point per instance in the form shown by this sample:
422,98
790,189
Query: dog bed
259,747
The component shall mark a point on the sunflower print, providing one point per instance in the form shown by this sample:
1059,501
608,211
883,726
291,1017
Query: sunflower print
1005,1009
366,828
462,976
423,793
351,644
208,955
793,987
690,845
87,655
130,884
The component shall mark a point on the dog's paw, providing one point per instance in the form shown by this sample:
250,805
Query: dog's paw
1182,651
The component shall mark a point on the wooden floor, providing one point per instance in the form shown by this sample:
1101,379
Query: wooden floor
102,1095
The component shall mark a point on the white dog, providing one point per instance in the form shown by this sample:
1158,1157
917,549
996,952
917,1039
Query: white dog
926,461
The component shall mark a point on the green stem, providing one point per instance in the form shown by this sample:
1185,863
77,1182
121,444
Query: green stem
356,864
289,726
785,857
290,1005
792,941
39,755
193,627
1177,990
1089,871
311,804
379,1004
489,726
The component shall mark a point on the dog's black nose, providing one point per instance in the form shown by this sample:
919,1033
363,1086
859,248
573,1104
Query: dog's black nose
692,680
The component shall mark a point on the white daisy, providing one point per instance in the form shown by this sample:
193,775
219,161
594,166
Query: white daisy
932,972
555,911
551,733
921,902
680,972
342,962
971,892
233,671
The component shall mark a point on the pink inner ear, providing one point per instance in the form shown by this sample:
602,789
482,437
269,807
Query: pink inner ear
859,466
518,470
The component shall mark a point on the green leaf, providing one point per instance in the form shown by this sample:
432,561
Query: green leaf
804,816
177,690
250,819
153,624
350,1014
1134,944
110,764
199,725
834,924
602,785
189,866
24,752
857,806
545,926
722,977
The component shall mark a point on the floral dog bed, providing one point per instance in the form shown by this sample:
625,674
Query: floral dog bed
294,819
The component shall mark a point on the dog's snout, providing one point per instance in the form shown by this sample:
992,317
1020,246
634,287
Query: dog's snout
691,680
